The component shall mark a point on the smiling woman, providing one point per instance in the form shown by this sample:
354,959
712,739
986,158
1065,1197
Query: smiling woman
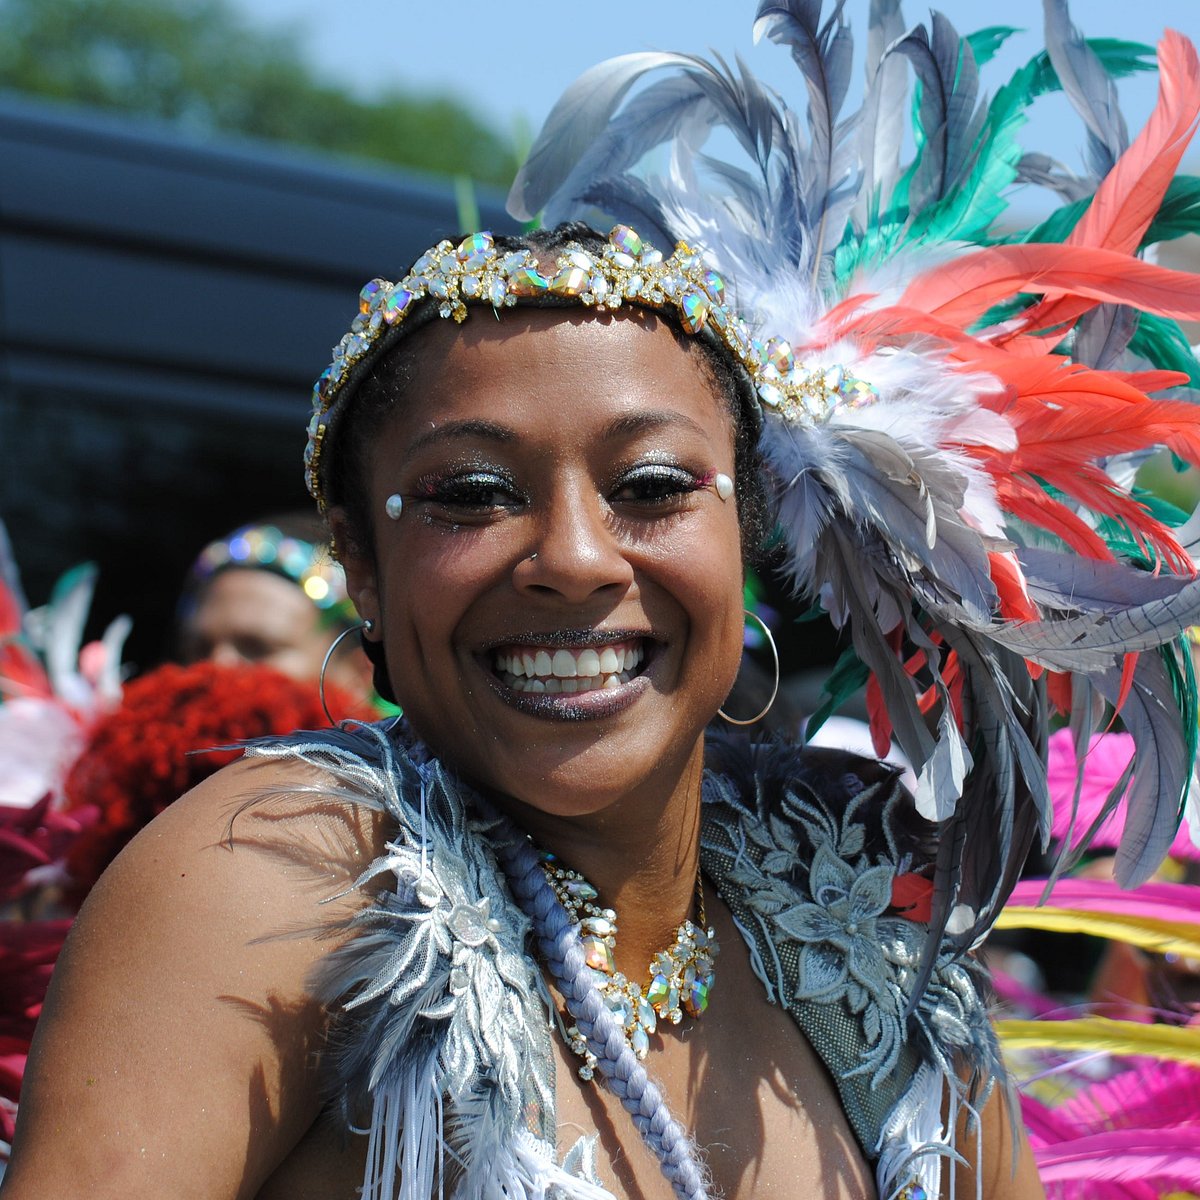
555,480
577,942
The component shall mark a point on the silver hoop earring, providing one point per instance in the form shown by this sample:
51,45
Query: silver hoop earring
774,691
363,626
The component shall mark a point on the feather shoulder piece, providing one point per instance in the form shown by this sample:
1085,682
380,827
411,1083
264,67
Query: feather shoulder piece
970,516
445,1050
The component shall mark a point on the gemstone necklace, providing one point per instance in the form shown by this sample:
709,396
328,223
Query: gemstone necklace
680,977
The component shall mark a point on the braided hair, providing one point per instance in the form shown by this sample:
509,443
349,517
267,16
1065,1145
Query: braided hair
558,941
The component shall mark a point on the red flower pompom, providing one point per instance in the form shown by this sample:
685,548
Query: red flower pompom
158,745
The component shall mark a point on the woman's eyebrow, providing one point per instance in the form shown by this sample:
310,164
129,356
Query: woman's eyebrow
649,420
456,430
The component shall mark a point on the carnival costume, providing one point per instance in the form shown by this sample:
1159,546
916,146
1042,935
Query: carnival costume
950,417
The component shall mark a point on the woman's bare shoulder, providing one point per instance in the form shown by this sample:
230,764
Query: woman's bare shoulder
287,812
180,1039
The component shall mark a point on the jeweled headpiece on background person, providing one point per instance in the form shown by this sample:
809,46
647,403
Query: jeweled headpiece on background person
266,547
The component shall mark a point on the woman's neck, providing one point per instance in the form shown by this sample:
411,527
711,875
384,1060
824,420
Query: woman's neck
641,855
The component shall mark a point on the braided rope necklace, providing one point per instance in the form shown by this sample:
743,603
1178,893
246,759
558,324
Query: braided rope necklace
680,977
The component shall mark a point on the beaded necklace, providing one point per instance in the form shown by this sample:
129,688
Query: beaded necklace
680,977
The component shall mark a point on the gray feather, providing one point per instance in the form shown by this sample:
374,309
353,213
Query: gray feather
1088,86
914,498
839,560
883,114
1041,170
823,53
1089,643
1160,768
945,65
577,119
1069,583
649,119
1102,336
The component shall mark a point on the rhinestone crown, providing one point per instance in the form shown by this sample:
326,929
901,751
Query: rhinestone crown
628,271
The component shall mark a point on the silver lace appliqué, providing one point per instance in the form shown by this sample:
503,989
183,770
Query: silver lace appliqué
805,873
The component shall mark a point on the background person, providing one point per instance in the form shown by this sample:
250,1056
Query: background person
271,593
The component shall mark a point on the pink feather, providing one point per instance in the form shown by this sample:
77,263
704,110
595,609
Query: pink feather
1150,1095
1167,1156
1178,903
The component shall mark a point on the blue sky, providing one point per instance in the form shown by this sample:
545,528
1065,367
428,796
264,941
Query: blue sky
510,59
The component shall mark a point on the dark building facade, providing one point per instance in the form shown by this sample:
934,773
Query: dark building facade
164,308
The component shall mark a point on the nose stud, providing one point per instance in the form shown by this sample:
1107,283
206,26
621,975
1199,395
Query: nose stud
394,506
723,485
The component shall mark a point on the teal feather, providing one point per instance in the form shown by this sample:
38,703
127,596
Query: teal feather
1119,59
1056,227
969,209
985,42
975,202
1161,510
1163,342
848,677
1178,217
1180,211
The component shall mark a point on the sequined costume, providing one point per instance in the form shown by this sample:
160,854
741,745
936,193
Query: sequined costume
445,1032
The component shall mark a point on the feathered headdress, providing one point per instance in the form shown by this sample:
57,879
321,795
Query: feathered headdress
975,528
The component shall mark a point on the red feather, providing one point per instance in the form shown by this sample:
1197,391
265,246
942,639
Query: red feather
1015,604
963,289
1026,501
1132,192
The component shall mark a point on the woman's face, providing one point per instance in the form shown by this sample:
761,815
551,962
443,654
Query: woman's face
560,601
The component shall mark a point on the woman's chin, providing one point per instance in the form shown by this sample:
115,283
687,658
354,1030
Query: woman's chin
581,783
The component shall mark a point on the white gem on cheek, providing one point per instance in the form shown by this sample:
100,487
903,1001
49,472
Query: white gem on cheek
394,506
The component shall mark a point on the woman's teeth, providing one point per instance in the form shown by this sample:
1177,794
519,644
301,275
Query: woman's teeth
538,670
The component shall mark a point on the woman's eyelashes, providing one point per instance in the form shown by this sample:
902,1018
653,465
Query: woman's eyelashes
656,485
473,493
488,493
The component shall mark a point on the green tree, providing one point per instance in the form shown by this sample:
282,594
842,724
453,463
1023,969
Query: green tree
199,64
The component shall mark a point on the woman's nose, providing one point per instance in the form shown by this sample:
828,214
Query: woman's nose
226,654
576,552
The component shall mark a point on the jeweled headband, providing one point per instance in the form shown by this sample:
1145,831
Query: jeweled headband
266,547
628,271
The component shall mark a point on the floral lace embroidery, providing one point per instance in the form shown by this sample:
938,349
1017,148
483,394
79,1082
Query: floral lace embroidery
805,872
